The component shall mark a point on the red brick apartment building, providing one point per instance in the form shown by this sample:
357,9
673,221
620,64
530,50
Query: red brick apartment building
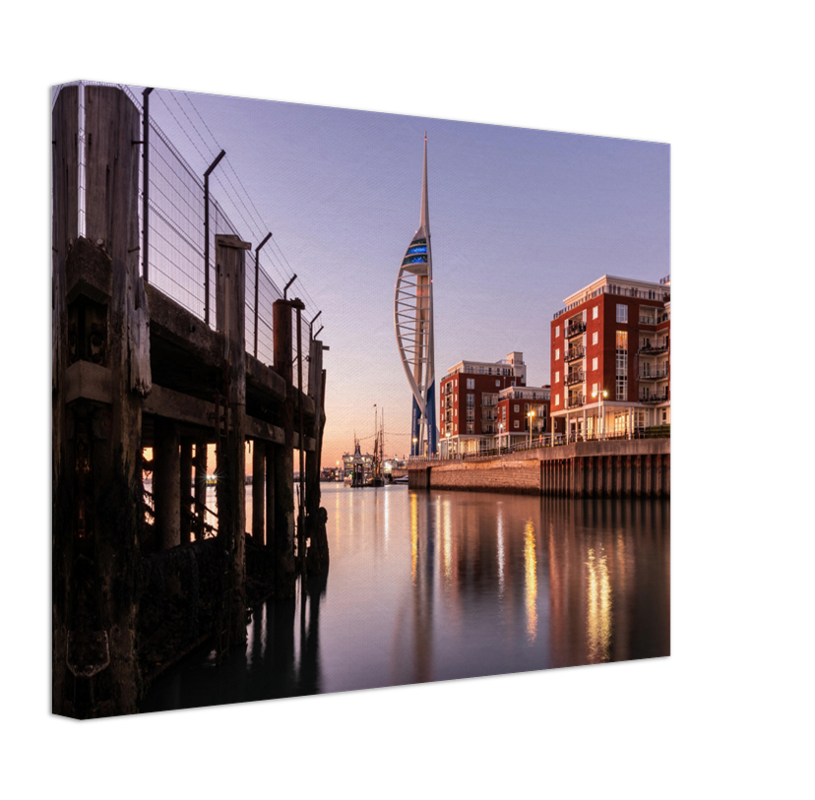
469,395
610,358
517,407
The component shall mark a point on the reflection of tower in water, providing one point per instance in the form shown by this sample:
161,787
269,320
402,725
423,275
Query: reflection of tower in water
413,639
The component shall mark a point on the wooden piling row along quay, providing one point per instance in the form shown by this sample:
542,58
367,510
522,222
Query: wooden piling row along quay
133,369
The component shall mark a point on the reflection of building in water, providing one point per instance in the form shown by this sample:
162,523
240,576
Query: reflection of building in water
575,582
609,588
531,581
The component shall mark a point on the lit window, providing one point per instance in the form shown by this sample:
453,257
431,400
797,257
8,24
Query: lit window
622,313
516,424
594,363
593,389
594,338
594,312
622,340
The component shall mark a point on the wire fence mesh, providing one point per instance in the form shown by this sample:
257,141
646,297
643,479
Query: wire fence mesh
176,261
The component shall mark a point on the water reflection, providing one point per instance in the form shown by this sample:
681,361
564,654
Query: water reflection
443,585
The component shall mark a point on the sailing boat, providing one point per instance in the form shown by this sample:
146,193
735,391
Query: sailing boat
377,475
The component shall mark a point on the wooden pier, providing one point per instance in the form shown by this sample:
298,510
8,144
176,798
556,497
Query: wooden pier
133,369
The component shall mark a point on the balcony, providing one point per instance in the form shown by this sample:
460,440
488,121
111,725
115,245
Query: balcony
654,373
654,348
575,328
648,320
577,376
576,401
653,399
574,353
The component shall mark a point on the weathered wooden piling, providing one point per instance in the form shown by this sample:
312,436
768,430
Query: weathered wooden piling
102,376
284,456
316,516
231,452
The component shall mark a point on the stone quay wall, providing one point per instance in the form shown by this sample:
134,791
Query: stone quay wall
620,468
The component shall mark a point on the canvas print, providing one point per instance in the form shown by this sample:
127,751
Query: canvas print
346,400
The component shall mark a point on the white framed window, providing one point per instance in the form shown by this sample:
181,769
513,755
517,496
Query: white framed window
557,377
516,408
622,388
622,312
517,424
455,397
594,337
557,354
594,312
557,330
497,383
471,383
456,413
593,389
455,381
557,399
594,363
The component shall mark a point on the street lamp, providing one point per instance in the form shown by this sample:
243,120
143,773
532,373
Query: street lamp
531,416
415,449
603,395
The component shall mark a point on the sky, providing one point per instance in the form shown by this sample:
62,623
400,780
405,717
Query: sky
519,219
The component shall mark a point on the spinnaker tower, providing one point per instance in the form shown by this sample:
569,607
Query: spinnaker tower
413,320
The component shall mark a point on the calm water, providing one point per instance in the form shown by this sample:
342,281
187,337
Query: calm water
442,585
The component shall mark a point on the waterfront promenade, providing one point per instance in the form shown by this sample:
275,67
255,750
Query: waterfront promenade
612,468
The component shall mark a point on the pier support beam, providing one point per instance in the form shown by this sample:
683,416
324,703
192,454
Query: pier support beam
258,490
200,486
185,489
317,556
166,484
230,310
284,456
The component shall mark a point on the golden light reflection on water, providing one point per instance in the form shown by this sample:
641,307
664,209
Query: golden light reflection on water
501,555
531,569
598,608
446,543
414,536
